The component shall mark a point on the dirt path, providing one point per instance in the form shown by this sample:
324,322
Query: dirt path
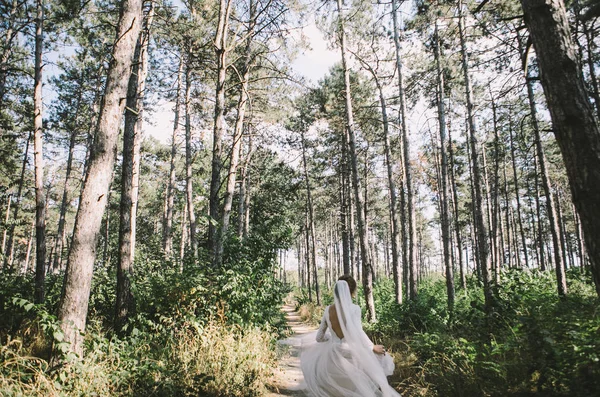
287,379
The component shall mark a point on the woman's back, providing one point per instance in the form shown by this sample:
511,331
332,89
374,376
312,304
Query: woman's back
335,323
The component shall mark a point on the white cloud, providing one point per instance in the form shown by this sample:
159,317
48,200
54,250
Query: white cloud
315,62
160,122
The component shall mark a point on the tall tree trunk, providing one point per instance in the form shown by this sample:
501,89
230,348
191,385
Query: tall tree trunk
311,219
561,230
299,258
63,242
308,256
73,307
496,215
10,247
59,244
580,243
488,212
481,227
184,232
411,216
189,188
473,226
237,142
28,248
575,127
393,202
457,228
6,227
168,221
559,265
354,262
538,209
244,198
513,156
105,256
362,232
344,219
444,174
219,129
40,197
130,176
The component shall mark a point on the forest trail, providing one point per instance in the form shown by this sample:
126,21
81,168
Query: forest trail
287,378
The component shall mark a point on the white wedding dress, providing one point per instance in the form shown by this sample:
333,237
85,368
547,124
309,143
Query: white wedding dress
344,367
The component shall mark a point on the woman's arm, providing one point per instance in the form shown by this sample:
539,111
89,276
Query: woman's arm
321,335
379,349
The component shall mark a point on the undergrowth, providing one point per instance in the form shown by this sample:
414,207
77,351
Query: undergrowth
533,344
199,332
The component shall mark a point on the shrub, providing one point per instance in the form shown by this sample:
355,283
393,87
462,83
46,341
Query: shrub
215,360
535,343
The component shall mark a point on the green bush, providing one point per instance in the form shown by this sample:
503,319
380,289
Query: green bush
200,331
534,343
214,360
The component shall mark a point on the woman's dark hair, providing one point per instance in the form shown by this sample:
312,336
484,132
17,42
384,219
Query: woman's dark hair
351,282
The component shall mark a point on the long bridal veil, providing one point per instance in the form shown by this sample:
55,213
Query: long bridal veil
345,367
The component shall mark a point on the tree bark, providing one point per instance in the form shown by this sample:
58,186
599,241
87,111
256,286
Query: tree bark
580,242
244,198
362,232
10,247
496,214
513,156
73,307
444,174
457,228
538,209
488,212
6,227
344,218
311,220
481,227
28,249
184,233
575,127
59,244
393,202
215,221
237,142
559,265
308,256
189,188
411,216
40,197
168,221
130,176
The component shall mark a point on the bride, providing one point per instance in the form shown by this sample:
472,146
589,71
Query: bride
344,362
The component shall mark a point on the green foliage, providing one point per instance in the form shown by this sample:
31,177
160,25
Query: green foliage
535,343
213,360
197,332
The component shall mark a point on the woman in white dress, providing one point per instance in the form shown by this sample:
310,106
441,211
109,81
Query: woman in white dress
344,362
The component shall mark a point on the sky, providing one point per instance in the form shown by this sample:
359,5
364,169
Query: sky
313,64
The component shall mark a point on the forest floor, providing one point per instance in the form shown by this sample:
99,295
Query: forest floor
287,378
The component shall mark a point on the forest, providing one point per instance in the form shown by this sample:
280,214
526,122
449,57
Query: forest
449,160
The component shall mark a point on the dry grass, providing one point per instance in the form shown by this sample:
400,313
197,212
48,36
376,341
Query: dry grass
216,360
310,313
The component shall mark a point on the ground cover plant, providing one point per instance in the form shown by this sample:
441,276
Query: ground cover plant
184,340
535,343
